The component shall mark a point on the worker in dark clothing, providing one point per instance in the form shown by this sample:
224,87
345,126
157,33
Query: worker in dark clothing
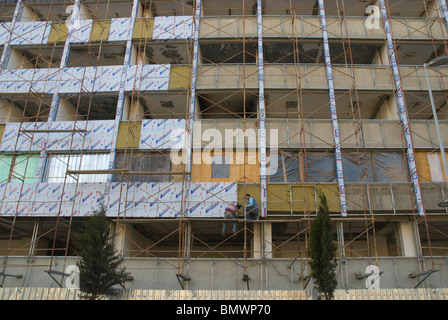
251,208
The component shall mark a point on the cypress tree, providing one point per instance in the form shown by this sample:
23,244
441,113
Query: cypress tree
99,264
323,252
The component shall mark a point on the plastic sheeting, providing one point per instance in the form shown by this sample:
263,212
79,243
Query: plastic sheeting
316,167
320,167
358,166
376,166
288,168
435,166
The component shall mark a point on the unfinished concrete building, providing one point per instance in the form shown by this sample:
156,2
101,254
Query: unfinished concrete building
126,102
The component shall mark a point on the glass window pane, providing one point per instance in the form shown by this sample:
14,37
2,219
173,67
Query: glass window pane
25,168
5,167
220,167
57,166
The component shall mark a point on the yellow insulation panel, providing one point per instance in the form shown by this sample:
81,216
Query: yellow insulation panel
100,31
58,33
244,164
281,198
304,197
180,77
430,166
423,170
143,29
2,130
129,134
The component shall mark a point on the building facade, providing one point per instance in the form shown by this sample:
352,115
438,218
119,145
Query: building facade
170,111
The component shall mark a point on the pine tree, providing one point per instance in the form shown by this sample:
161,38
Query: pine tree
99,264
323,252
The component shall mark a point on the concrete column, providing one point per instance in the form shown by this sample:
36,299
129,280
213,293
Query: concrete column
433,9
136,110
6,48
187,226
18,61
262,240
67,112
119,230
28,15
34,239
198,113
256,241
388,109
381,57
84,14
9,112
126,108
407,239
267,241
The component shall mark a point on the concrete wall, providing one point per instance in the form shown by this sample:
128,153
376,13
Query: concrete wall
306,26
227,274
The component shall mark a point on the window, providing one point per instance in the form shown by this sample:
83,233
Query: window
58,164
220,166
143,162
18,168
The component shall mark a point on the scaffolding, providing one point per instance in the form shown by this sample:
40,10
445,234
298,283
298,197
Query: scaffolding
349,102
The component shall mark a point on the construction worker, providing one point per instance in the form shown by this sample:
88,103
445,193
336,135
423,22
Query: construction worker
231,212
251,208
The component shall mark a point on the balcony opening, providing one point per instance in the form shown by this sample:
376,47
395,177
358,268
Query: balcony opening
96,106
228,53
172,52
96,55
157,105
24,107
220,105
154,8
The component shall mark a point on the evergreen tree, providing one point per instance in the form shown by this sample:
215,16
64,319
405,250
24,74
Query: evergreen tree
99,264
323,252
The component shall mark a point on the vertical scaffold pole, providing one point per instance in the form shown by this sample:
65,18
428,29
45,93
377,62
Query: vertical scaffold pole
333,114
402,111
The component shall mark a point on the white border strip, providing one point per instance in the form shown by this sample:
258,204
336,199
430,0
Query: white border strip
402,111
334,117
